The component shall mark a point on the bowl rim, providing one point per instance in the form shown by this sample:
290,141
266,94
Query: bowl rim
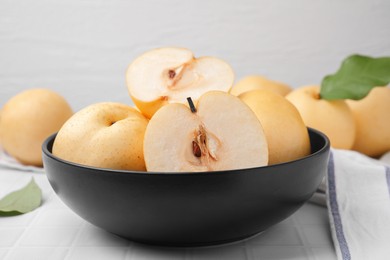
51,138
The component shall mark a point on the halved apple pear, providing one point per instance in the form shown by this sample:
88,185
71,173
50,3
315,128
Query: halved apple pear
170,75
221,133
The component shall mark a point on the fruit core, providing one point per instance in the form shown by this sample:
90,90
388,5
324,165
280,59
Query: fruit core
204,144
204,147
171,74
181,77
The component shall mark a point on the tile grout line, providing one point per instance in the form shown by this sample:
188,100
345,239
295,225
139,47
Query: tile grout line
27,228
188,254
248,251
305,244
72,245
130,245
15,185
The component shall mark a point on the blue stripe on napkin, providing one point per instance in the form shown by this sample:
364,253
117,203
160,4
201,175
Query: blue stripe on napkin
388,178
345,253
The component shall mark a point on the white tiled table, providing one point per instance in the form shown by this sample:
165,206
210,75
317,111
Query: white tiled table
53,232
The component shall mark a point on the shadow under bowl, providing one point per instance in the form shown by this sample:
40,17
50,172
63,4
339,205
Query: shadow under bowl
188,209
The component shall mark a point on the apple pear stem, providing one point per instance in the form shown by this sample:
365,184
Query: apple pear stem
191,104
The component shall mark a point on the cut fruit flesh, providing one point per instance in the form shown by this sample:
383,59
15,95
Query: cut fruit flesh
151,74
223,134
170,75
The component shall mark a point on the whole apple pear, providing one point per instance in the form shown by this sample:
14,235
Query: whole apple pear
287,135
332,117
372,117
27,119
105,135
254,82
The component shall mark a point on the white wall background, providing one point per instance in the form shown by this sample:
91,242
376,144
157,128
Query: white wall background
81,48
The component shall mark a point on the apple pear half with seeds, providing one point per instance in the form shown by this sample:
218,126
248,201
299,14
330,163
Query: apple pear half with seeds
170,75
221,133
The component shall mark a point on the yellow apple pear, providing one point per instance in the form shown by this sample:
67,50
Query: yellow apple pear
27,119
105,135
333,118
253,82
286,133
372,117
221,133
170,75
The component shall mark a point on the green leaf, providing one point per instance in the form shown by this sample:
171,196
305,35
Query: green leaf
21,201
356,77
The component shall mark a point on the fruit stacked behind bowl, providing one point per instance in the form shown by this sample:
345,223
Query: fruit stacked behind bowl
186,121
360,125
351,107
216,132
27,119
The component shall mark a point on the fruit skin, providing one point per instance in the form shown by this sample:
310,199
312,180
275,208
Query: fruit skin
372,117
151,87
286,133
226,131
148,109
105,135
27,119
253,82
333,118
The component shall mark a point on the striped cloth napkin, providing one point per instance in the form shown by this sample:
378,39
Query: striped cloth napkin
357,194
9,162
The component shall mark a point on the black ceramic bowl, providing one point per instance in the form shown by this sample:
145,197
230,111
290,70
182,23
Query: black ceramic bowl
188,209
